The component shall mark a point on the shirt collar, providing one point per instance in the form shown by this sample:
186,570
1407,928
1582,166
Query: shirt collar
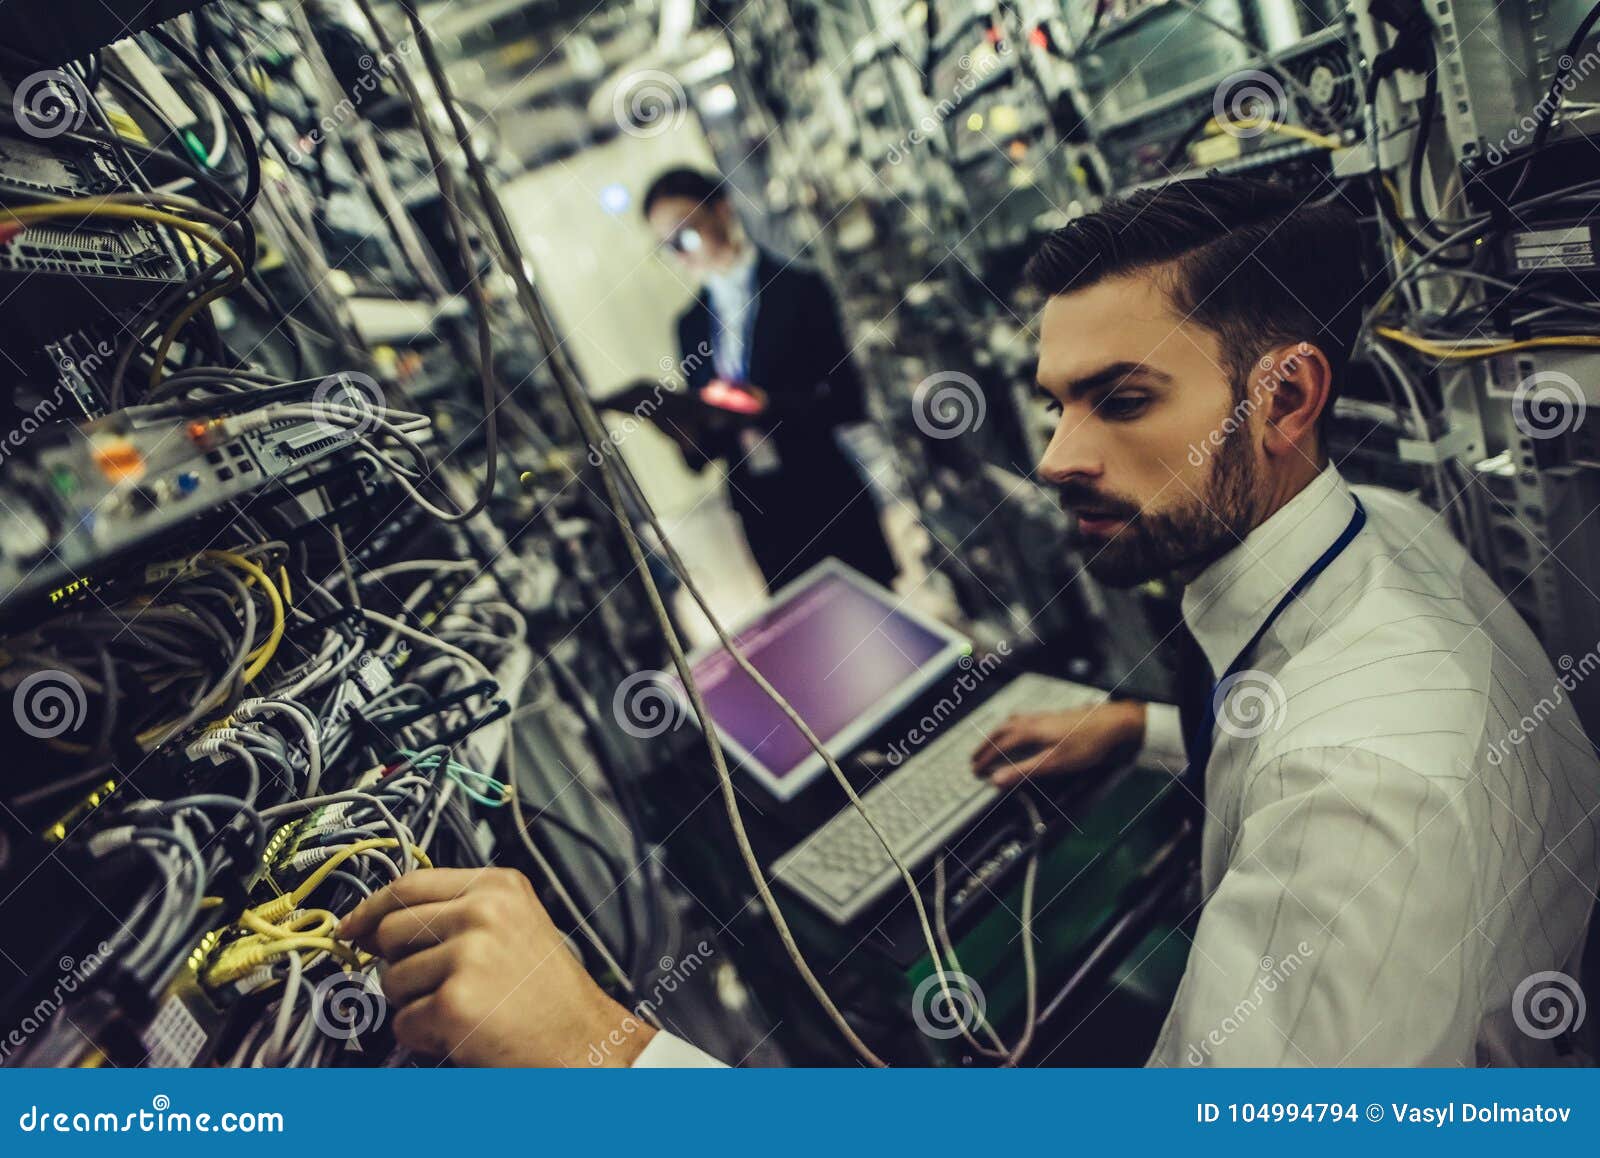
1228,601
735,283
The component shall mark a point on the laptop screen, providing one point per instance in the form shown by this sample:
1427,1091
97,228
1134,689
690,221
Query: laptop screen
841,650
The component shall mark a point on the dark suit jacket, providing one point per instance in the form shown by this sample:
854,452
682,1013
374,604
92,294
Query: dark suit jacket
815,504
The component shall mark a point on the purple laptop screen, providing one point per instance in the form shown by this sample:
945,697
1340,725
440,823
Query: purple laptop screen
831,649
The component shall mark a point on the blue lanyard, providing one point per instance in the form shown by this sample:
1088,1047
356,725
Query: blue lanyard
1200,744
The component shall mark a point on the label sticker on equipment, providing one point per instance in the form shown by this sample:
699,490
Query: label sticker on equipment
1555,249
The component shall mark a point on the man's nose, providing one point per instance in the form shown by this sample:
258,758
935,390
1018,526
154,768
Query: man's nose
1070,455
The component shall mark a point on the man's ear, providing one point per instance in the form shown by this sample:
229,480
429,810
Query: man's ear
1292,385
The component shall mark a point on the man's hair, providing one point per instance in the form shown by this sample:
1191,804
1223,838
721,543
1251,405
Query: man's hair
704,188
1248,261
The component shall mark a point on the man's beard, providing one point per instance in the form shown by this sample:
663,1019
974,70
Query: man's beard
1184,537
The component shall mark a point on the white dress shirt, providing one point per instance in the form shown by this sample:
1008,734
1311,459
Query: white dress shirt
733,301
1400,807
1388,851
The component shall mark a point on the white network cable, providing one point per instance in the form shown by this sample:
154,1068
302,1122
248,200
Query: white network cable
510,255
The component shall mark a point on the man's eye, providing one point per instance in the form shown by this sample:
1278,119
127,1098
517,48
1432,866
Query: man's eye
1052,407
1121,407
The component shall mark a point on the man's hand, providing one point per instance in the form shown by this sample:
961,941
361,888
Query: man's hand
479,975
1052,743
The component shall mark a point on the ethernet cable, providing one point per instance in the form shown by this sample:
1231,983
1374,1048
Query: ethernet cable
583,410
1470,349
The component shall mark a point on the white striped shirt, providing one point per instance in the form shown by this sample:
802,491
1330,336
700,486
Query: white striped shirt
1404,837
1389,850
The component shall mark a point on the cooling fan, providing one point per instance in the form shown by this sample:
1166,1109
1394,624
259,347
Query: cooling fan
1331,97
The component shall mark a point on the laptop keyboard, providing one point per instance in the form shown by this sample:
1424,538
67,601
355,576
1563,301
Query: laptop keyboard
842,868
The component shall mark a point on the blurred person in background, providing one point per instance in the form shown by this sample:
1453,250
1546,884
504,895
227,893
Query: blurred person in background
776,387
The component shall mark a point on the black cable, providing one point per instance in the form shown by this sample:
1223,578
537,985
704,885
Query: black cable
460,824
617,780
221,198
231,403
252,173
614,869
1427,110
143,99
241,129
1547,108
628,951
450,200
1100,9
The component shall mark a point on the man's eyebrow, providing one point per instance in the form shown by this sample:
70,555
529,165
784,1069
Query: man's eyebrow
1108,376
